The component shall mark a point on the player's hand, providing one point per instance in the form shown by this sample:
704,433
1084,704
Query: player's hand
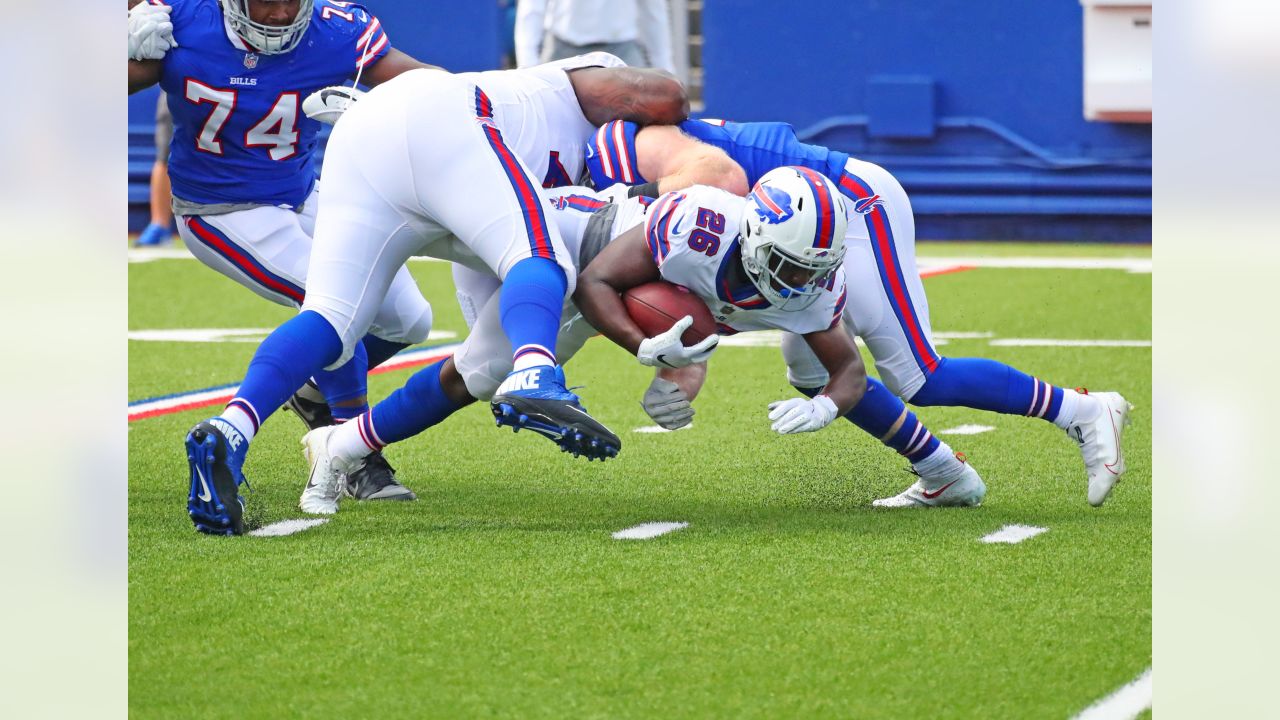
667,404
799,415
666,350
150,32
327,104
615,193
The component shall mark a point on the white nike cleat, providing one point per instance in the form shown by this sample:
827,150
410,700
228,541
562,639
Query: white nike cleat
966,490
1099,443
328,474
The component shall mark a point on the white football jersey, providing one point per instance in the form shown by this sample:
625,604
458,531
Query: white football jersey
540,117
693,236
572,207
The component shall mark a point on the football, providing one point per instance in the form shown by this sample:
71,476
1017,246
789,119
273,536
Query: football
656,306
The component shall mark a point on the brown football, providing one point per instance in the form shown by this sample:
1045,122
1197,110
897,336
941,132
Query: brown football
656,306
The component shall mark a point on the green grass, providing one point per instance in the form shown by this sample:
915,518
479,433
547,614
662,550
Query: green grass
500,592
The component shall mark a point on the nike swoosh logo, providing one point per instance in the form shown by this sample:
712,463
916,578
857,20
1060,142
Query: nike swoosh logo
1111,467
931,495
204,494
663,359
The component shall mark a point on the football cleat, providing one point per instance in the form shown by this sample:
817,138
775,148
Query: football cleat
964,490
154,236
314,414
536,399
1099,443
328,473
376,480
215,454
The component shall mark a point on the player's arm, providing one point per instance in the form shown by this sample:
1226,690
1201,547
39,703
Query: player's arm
391,65
623,264
678,160
839,355
143,74
642,96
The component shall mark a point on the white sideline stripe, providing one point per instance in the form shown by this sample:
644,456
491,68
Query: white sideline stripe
142,255
1123,704
645,531
925,262
1013,534
963,335
659,429
1050,342
1133,265
241,335
966,430
287,527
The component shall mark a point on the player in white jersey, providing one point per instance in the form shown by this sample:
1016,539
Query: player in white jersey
447,166
770,261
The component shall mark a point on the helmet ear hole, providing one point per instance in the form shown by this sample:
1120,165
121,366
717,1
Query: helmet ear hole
800,204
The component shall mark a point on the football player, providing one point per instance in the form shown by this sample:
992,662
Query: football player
589,221
243,162
453,167
887,307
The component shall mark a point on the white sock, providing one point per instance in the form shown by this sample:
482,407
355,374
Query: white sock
528,356
940,466
1077,408
348,443
239,419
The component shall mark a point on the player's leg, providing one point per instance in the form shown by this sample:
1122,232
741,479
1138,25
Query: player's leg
945,478
896,329
491,202
160,230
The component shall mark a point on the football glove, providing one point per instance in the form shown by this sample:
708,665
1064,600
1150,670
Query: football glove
799,415
327,104
666,350
150,32
667,404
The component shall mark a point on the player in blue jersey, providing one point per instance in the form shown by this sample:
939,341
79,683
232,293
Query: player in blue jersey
243,162
887,305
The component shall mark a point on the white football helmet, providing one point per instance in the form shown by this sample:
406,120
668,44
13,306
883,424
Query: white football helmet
267,39
792,232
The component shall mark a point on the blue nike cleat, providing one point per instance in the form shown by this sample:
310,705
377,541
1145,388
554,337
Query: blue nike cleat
215,452
537,399
155,236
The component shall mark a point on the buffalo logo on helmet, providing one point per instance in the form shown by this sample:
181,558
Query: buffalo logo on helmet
772,205
867,204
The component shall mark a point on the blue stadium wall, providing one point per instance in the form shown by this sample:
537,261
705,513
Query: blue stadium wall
976,107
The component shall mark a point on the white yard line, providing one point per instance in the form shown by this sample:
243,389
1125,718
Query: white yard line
966,430
1013,534
218,335
1052,342
1123,704
287,527
1133,265
645,531
659,429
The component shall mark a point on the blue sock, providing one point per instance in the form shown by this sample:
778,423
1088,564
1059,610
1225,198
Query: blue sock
347,383
530,306
989,385
380,350
877,412
413,408
296,350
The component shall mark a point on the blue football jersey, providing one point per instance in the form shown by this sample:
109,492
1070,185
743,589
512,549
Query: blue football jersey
239,134
757,146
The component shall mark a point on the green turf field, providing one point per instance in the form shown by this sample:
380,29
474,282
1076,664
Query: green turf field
500,592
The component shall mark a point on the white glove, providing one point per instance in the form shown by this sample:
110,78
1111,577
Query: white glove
667,404
150,32
800,415
666,350
615,193
327,104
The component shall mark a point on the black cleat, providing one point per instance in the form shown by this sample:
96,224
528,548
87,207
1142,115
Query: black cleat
537,399
215,455
313,414
376,480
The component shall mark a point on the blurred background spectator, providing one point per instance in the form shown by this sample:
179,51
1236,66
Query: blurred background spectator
638,31
160,231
